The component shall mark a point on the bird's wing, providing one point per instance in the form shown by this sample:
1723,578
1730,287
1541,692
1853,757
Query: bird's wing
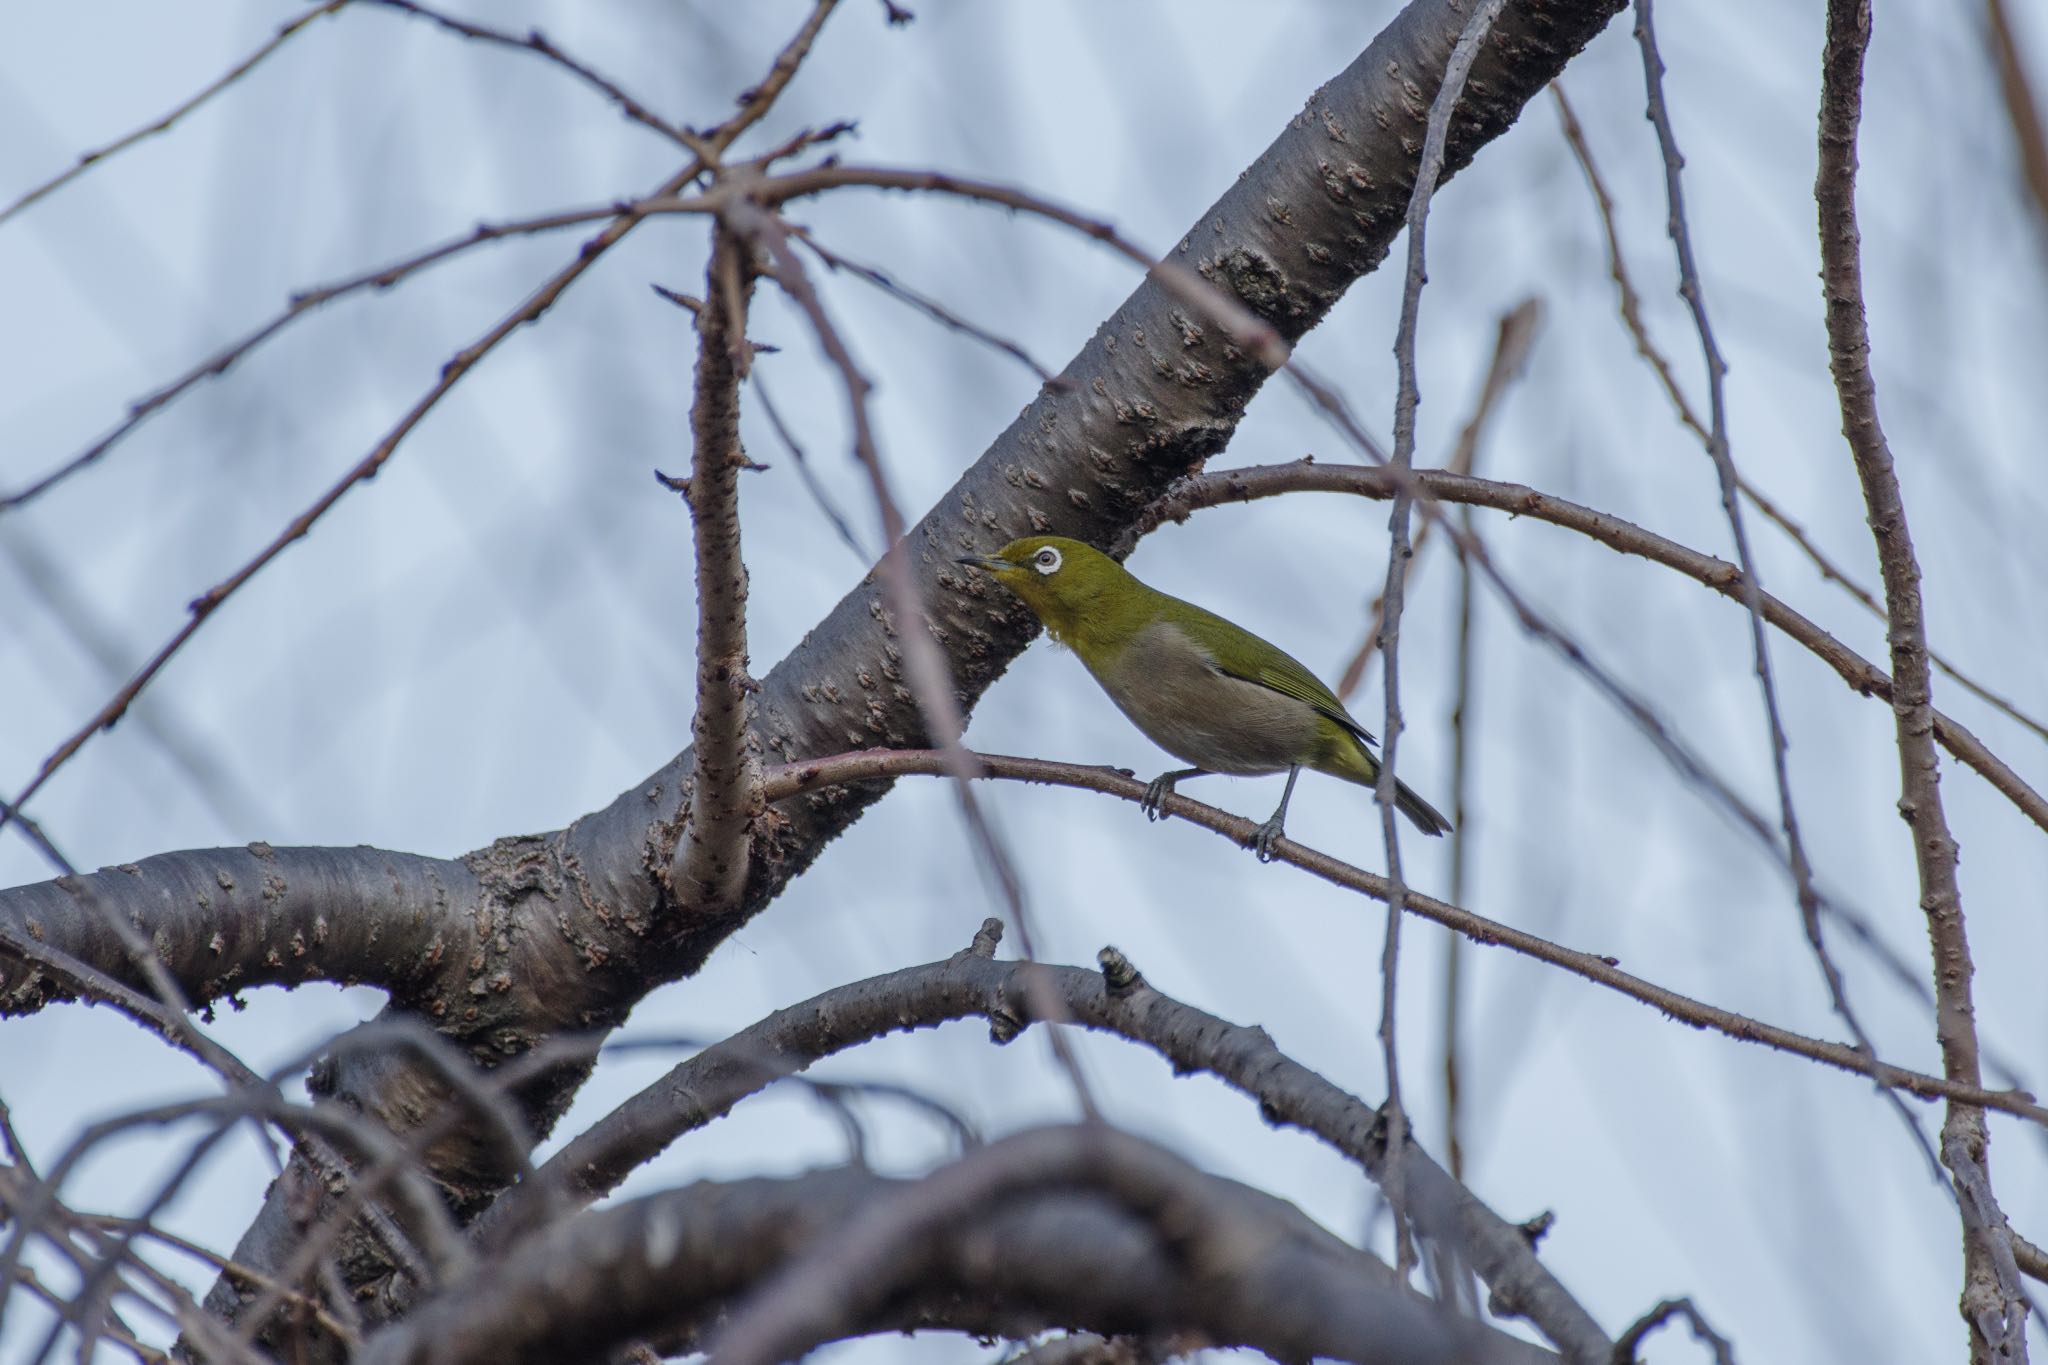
1282,673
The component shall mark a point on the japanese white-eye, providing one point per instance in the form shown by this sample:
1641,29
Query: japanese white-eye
1208,692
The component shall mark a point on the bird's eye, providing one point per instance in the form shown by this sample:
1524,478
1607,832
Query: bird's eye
1047,560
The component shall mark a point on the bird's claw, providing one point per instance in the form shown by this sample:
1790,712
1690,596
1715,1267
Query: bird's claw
1265,836
1153,803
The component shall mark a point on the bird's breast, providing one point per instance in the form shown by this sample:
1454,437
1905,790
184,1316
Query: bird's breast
1170,688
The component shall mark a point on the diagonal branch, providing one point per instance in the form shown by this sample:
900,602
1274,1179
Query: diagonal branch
872,764
163,123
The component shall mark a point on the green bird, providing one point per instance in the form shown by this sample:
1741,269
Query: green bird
1208,692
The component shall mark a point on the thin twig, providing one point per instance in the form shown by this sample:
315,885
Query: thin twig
1625,1348
1693,290
757,101
1630,307
809,476
1462,726
33,832
1408,396
931,677
2023,112
452,372
1517,333
301,303
1993,1301
927,305
87,160
540,45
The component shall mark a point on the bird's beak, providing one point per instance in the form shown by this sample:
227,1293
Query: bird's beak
988,562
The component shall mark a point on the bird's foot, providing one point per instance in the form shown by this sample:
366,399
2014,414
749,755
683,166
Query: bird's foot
1153,803
1265,836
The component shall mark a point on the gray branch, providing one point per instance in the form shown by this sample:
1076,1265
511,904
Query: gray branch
1084,1227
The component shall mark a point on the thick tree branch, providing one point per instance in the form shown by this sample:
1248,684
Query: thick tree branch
1239,1248
1116,1236
710,864
1010,995
224,920
1993,1303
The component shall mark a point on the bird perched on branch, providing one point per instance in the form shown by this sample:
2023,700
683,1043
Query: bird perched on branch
1208,692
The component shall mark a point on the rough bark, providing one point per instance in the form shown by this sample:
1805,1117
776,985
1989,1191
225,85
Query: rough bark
1084,1227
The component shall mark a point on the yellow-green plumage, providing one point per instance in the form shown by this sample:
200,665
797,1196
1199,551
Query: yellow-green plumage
1205,690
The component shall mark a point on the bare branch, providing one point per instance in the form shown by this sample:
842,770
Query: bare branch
1408,397
1993,1301
2023,112
539,44
1693,291
1011,995
224,920
1462,727
87,160
365,469
806,474
1625,1349
1630,307
34,833
1128,1238
757,101
709,867
1511,346
793,779
1238,1247
925,304
305,301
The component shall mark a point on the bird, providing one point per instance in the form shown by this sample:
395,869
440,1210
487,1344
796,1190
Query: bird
1206,690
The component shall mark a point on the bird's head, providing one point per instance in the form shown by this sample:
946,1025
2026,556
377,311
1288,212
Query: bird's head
1067,584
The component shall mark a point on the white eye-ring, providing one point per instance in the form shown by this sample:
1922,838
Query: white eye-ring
1046,561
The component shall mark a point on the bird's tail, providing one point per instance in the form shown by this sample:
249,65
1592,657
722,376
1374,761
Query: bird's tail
1356,763
1424,816
1420,813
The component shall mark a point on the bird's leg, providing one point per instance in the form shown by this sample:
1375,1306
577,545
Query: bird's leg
1268,834
1161,787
